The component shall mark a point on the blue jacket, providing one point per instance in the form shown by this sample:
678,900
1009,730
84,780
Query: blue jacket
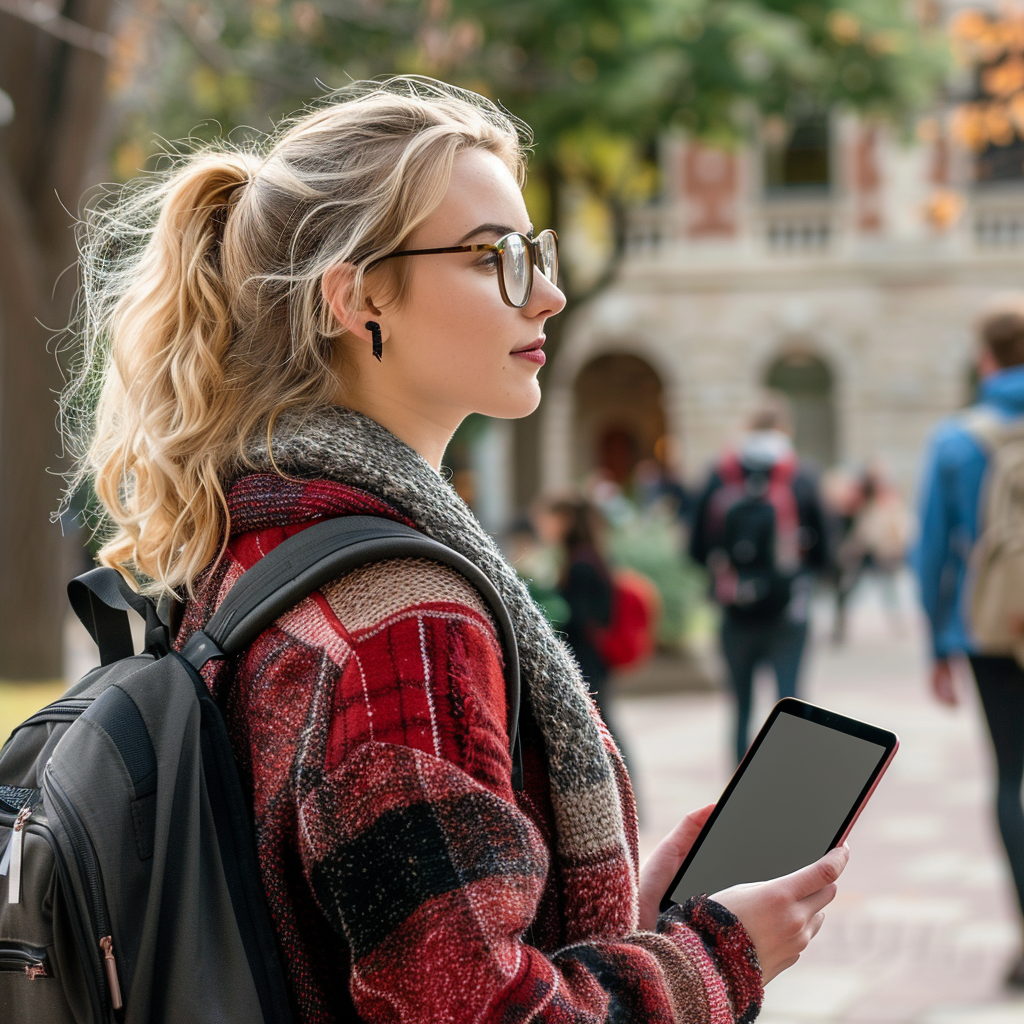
951,486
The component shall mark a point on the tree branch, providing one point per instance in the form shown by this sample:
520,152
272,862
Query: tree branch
45,17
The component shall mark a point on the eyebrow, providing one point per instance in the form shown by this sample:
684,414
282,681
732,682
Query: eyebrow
490,229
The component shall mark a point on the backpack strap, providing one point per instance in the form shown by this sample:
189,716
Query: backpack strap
306,561
102,598
990,429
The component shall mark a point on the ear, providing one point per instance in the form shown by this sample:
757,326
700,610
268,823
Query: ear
336,287
986,362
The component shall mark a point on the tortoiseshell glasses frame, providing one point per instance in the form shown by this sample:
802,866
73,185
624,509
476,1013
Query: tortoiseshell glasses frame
517,254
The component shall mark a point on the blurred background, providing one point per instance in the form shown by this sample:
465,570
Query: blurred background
812,197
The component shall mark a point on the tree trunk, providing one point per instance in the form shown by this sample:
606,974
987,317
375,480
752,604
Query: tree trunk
58,93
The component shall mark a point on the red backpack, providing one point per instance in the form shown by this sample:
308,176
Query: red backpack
630,636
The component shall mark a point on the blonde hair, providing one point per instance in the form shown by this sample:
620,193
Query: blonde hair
201,310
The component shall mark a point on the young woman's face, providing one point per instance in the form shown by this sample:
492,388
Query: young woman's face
452,346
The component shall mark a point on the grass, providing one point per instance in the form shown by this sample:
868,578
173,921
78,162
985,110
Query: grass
19,700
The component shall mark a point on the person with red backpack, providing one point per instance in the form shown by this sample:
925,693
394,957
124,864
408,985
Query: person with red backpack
612,614
759,529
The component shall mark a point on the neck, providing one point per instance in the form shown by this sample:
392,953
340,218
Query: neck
427,431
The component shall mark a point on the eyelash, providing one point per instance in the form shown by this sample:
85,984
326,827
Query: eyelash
489,259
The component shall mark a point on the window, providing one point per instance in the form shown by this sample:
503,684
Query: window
802,160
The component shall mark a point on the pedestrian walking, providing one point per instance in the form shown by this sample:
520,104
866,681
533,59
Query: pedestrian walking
876,541
969,561
760,530
576,527
292,334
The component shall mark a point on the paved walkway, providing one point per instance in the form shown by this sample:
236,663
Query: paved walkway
923,927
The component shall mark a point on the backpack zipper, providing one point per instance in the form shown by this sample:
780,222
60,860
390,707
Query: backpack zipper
66,710
14,853
27,960
92,882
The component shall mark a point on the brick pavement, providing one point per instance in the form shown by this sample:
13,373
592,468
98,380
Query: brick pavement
924,924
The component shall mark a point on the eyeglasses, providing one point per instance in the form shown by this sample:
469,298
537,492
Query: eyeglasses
517,255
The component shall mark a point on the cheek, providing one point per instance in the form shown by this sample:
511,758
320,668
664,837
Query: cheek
456,337
458,323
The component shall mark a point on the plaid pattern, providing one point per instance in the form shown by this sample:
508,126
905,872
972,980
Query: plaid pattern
406,880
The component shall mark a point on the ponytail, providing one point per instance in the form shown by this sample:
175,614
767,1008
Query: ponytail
201,313
165,383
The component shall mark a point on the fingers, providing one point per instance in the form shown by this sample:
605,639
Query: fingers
685,833
819,900
821,873
701,815
814,925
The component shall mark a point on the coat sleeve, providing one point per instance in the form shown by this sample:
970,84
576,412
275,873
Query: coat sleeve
951,481
417,854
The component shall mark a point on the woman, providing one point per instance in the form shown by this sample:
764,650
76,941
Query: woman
585,584
271,361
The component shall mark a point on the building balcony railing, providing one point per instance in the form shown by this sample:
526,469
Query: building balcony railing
798,226
992,221
997,218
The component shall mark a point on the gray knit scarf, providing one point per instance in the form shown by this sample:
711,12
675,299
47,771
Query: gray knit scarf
348,447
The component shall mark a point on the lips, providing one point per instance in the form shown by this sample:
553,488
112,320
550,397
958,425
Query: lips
533,352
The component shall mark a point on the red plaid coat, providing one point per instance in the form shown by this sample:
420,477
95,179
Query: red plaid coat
406,880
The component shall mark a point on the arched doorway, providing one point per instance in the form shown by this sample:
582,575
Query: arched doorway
807,381
619,416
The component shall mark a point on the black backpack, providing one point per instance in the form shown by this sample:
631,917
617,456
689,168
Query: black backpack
129,883
748,579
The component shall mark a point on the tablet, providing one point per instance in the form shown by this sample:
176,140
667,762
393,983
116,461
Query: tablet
796,794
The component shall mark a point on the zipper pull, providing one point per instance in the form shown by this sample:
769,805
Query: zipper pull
110,966
17,843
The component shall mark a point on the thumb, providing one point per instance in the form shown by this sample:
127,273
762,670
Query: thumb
822,872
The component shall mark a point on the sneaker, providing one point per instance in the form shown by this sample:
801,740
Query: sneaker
1015,977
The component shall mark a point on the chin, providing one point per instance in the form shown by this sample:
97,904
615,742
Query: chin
514,406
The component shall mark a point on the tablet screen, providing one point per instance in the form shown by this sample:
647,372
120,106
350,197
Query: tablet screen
793,797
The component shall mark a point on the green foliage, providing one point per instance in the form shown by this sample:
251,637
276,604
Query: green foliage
580,72
599,81
651,543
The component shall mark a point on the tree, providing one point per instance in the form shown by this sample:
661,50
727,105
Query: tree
53,72
599,81
991,46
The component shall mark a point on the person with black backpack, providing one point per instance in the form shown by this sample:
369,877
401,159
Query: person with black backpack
279,345
759,529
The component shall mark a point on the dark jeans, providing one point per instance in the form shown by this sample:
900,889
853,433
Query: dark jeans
779,643
1001,686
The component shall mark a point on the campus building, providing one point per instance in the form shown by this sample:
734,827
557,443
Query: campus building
836,263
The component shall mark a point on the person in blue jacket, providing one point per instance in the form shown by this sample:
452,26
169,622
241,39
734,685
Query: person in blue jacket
952,487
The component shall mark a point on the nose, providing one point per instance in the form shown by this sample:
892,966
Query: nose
546,299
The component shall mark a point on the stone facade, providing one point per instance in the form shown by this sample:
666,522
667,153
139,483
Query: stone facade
874,278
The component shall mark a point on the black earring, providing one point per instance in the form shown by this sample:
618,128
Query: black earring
378,343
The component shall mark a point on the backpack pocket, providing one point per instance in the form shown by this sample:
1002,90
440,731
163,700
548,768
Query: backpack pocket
30,988
29,991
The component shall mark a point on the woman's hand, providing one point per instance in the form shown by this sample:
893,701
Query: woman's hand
661,867
783,915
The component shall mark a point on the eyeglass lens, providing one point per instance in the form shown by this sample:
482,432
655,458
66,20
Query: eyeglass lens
547,254
517,266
